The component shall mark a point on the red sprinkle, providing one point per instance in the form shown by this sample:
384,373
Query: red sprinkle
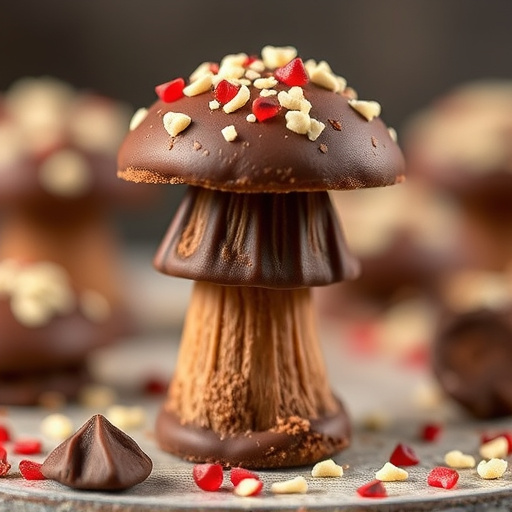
373,489
265,108
27,447
5,435
155,386
3,454
171,91
225,91
431,432
31,470
293,73
4,468
239,474
403,455
442,477
208,476
488,436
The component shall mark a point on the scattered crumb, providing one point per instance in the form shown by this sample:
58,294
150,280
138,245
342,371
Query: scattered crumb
335,124
323,148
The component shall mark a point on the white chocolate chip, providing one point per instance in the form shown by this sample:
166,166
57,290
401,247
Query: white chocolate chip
199,86
297,485
138,117
393,134
175,122
292,98
368,109
323,76
214,105
234,59
94,306
494,449
247,487
390,473
275,56
265,83
298,122
126,418
229,133
326,468
65,174
57,426
241,98
268,92
257,65
458,460
202,69
252,75
251,118
492,469
316,128
342,83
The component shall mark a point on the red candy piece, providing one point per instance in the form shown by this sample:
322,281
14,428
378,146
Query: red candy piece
442,477
239,474
265,108
293,73
3,454
171,91
5,435
208,476
249,60
373,489
214,67
431,432
403,455
27,447
487,436
4,467
249,487
225,91
31,470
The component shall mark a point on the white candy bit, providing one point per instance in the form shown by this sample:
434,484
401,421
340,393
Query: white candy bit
323,76
199,86
126,418
257,65
202,69
241,98
494,449
138,117
251,118
390,473
315,129
492,469
268,92
233,59
326,469
368,109
275,57
458,460
229,133
248,487
265,83
175,122
57,426
252,75
292,99
94,306
214,105
297,485
298,122
342,84
393,134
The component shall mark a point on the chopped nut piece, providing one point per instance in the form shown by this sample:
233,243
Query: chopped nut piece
458,460
197,145
294,100
342,83
390,473
126,418
199,86
252,75
251,118
241,98
265,83
323,148
244,81
492,469
268,92
393,134
297,485
202,69
323,76
374,141
138,117
335,124
248,487
257,65
298,122
326,468
368,109
214,105
494,449
315,129
233,59
175,122
57,426
349,93
275,57
229,133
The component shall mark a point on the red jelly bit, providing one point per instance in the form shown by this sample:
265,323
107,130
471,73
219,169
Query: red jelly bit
31,470
225,91
373,489
4,467
265,108
208,476
5,435
155,386
27,447
171,91
431,432
487,436
442,477
239,474
293,73
403,455
3,454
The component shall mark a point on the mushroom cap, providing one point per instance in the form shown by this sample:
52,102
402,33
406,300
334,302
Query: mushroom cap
351,152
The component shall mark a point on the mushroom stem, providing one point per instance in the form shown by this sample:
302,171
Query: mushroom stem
249,360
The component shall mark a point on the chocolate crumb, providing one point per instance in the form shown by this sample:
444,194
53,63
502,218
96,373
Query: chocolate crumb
197,145
171,143
245,144
206,152
323,148
374,141
335,124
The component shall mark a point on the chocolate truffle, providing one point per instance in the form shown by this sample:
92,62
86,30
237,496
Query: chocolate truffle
259,141
99,456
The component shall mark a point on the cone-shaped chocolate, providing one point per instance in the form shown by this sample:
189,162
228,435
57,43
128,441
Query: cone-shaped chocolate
98,456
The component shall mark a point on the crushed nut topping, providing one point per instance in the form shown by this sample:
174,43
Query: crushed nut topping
251,118
326,468
265,83
492,469
391,473
214,105
458,460
323,148
138,117
200,85
297,485
241,98
268,92
229,133
335,124
274,57
494,449
368,109
175,122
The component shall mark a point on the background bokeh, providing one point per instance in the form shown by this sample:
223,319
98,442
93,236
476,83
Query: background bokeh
403,53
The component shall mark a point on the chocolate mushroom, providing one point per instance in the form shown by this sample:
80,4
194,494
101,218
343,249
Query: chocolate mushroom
259,142
60,291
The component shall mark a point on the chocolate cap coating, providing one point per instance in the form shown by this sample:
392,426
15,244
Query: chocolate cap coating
98,456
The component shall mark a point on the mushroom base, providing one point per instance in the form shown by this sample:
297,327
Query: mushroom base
296,442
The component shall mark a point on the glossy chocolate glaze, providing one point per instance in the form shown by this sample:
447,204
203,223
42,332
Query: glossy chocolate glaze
321,438
266,156
270,240
99,456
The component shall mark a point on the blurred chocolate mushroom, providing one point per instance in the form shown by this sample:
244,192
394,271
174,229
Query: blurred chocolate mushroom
255,231
60,292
